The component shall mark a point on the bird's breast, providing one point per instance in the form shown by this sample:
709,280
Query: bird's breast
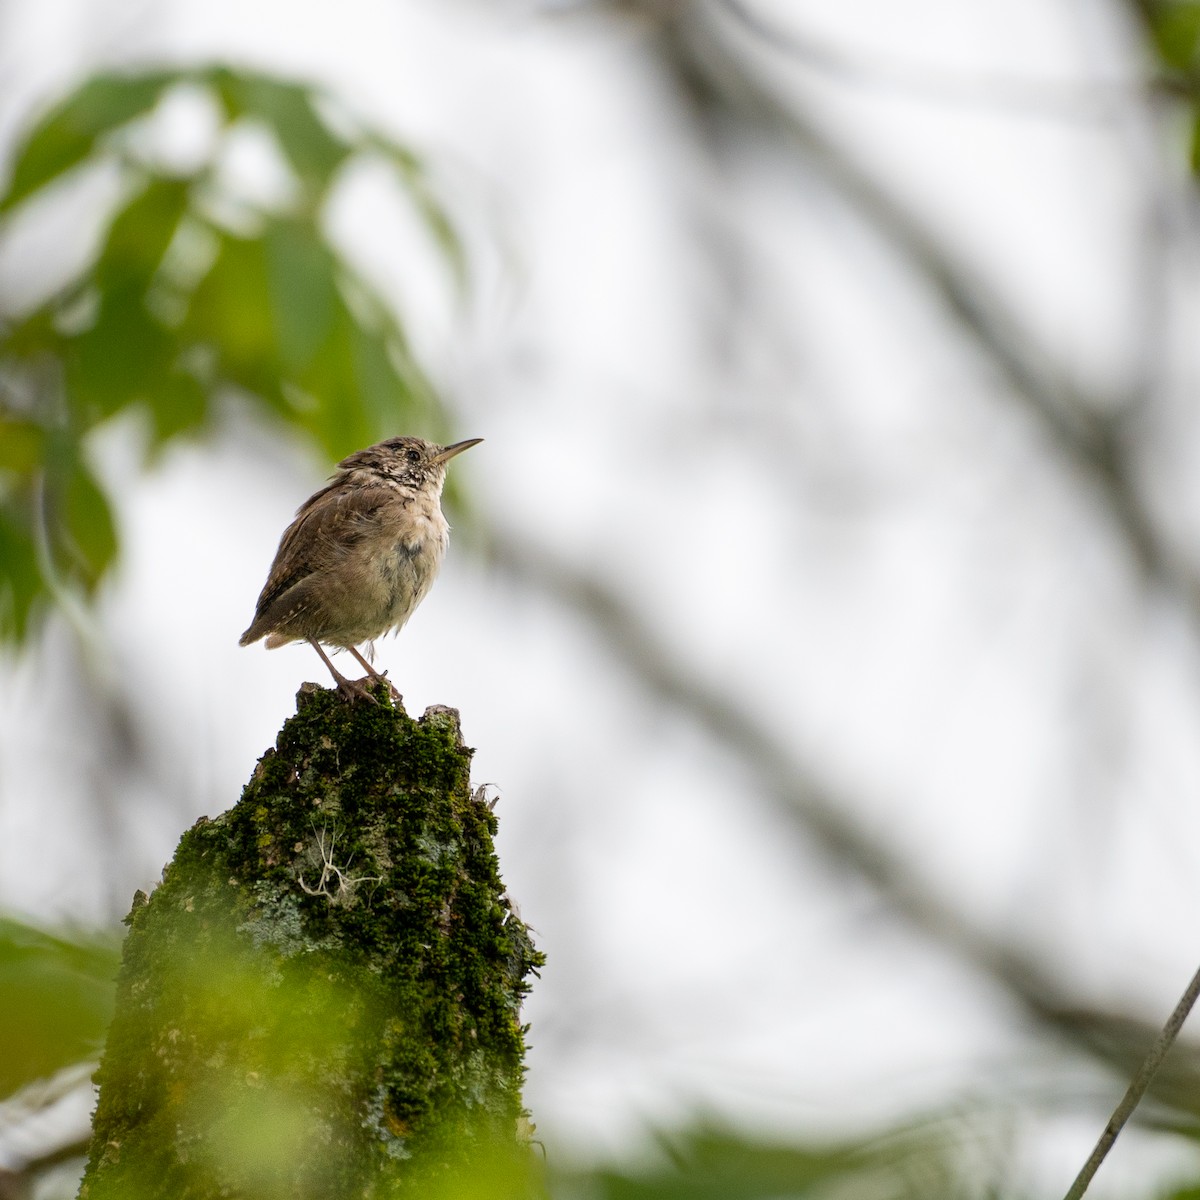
409,563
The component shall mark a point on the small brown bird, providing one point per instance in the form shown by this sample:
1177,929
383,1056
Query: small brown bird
360,555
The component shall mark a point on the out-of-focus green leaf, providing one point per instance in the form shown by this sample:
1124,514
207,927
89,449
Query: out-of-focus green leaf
273,308
119,358
916,1163
85,528
124,354
56,996
69,133
178,404
313,150
31,336
231,314
21,445
1175,28
20,579
141,232
388,398
340,421
711,1166
304,292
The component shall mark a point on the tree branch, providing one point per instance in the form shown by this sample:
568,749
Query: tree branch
819,813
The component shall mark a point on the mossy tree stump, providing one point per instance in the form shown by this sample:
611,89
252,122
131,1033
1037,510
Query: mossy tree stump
322,997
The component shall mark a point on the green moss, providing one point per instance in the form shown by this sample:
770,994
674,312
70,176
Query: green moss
322,996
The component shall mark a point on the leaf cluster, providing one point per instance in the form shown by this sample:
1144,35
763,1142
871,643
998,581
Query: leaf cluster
196,291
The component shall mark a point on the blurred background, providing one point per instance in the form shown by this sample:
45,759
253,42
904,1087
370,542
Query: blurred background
824,601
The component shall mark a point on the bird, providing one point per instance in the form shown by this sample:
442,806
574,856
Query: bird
359,556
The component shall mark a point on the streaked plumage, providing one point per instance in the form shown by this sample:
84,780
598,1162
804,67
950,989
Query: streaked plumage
361,553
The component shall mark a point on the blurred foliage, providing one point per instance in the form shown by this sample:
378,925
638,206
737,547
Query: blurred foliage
1174,34
252,1084
56,999
1175,28
194,292
271,1125
917,1162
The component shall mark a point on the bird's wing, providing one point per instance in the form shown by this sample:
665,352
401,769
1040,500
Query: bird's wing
326,527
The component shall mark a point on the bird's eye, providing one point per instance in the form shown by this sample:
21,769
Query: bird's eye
413,456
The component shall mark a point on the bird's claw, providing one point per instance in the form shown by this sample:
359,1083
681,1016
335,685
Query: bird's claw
382,677
355,689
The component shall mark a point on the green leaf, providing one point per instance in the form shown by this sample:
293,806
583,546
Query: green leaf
122,349
231,315
178,404
123,356
84,527
313,150
120,359
22,445
913,1163
339,419
304,290
1175,28
397,394
274,312
31,336
705,1165
389,405
21,584
69,133
141,232
56,998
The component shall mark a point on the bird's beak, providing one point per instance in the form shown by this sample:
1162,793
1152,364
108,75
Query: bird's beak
446,453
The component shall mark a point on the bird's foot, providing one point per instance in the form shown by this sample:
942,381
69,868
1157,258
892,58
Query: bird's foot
378,676
353,690
382,676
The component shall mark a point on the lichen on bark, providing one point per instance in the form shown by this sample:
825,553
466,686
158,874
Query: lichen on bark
322,997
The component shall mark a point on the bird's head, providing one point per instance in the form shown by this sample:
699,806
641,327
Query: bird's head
408,461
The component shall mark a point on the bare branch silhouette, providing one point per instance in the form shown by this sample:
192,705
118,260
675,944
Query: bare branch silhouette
821,813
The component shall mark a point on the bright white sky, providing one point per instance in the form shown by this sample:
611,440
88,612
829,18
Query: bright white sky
847,533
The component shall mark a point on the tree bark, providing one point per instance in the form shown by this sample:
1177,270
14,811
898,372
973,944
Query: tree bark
322,997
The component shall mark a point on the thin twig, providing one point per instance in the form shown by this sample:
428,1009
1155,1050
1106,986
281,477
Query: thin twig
1137,1089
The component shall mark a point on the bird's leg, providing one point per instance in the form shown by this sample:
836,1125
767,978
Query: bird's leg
381,676
350,689
368,666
